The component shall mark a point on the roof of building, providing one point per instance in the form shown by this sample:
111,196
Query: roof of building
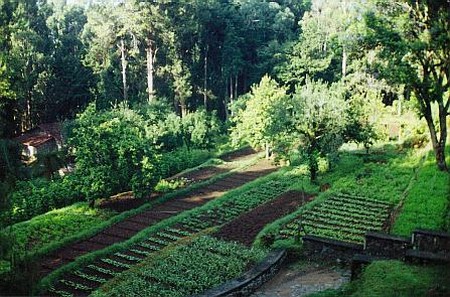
41,135
37,140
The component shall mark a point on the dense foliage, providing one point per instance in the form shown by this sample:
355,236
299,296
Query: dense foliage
113,153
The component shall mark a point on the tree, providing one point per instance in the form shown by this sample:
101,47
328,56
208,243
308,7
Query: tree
263,119
69,87
318,121
411,39
329,33
112,153
28,62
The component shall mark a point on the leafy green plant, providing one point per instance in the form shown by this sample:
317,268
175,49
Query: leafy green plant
188,269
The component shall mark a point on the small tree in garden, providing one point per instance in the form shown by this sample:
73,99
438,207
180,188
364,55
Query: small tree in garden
113,153
263,116
318,121
199,129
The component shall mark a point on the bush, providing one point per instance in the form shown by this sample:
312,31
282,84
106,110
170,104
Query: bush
113,153
181,159
38,196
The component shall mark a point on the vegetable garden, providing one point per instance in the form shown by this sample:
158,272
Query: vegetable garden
343,217
88,273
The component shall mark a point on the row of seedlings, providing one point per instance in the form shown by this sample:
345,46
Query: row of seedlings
90,277
188,269
342,217
83,281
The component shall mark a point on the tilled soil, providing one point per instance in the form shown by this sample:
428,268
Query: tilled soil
126,201
246,227
132,225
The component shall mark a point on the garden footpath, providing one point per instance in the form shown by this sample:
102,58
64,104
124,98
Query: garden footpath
129,227
246,227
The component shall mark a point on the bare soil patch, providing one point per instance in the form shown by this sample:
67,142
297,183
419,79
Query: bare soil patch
246,227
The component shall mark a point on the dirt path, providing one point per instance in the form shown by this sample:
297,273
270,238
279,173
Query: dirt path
129,227
295,281
246,227
126,201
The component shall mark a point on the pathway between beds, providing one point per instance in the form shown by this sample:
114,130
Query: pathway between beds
246,227
129,227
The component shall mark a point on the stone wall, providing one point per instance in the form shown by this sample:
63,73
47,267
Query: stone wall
431,241
247,283
385,245
329,249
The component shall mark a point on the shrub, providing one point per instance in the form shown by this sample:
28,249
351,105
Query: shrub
112,152
38,196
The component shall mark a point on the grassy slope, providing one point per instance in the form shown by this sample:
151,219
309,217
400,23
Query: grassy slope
384,175
427,201
54,226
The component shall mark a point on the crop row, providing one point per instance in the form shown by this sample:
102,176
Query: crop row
187,270
361,202
206,217
364,199
340,217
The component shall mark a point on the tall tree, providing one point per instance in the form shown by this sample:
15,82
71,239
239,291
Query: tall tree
411,39
28,59
71,81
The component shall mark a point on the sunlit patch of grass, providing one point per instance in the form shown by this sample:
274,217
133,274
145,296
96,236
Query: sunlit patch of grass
56,225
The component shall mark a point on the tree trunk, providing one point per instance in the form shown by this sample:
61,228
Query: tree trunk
236,86
183,109
313,167
205,79
150,70
344,62
438,144
123,58
267,149
440,149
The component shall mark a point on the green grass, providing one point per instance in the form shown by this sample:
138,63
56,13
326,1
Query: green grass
187,269
54,226
382,175
427,203
396,279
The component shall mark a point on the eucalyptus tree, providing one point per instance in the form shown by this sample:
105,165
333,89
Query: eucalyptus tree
108,37
71,82
330,34
411,40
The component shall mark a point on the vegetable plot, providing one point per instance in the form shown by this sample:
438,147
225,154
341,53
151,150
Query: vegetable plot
88,278
342,217
189,269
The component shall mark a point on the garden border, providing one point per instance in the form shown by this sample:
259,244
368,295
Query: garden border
248,282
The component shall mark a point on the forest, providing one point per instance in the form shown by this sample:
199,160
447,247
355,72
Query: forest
109,108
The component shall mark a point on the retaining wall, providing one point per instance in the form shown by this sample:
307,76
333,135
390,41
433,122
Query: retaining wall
247,283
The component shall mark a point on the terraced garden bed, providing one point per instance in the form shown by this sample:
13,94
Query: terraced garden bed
343,217
216,213
246,227
188,269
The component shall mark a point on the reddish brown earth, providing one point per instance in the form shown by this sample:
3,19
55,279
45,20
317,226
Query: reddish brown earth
126,201
132,225
246,227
